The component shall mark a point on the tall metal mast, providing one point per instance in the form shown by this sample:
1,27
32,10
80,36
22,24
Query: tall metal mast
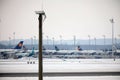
41,14
112,21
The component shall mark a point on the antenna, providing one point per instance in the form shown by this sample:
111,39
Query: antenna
112,21
42,5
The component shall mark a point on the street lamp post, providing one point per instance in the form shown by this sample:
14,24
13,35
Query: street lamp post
104,45
95,43
9,42
89,41
47,40
74,38
60,40
31,43
118,39
34,41
40,13
53,42
104,42
14,38
112,21
0,30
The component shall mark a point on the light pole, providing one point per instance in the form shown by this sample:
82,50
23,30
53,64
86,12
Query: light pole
112,21
47,40
9,42
74,38
89,41
95,42
40,73
104,42
60,40
0,30
118,39
14,37
34,41
31,43
53,41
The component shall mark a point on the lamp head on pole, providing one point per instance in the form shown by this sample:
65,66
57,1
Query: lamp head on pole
112,20
103,35
89,36
41,13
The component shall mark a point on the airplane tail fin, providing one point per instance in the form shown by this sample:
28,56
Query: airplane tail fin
19,45
56,48
43,48
32,53
79,48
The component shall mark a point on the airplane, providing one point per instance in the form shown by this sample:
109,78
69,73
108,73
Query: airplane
17,47
6,53
25,54
17,52
57,51
77,53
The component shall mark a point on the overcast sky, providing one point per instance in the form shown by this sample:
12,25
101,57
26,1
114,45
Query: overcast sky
64,17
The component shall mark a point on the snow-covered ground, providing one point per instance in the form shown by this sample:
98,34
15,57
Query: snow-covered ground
59,65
